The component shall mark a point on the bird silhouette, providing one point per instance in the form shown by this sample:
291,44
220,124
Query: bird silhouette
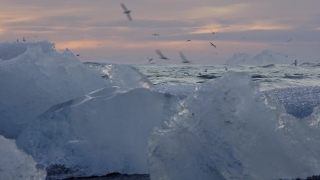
289,40
150,59
156,34
126,11
161,55
184,59
188,40
23,39
213,45
78,54
212,32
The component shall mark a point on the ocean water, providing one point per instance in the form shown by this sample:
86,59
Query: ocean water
269,76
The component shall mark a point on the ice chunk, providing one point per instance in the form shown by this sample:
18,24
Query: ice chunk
12,50
34,81
124,76
227,130
16,164
102,132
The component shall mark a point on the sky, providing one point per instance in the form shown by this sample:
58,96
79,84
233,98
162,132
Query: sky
100,32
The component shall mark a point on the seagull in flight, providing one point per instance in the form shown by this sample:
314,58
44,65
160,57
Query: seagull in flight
150,59
188,40
211,31
213,45
156,34
126,11
289,40
184,59
161,55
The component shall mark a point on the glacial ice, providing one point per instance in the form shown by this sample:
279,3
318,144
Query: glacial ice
16,164
102,132
37,79
226,129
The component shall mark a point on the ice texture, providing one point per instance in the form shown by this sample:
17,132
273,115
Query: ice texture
102,132
298,101
227,129
32,82
124,76
16,164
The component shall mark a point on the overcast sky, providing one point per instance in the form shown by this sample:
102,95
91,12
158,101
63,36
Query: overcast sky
99,31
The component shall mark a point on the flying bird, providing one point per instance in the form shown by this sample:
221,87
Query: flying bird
289,40
23,39
126,11
188,40
150,59
161,55
212,32
78,54
184,59
156,34
213,45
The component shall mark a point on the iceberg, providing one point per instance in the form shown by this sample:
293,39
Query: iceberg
227,129
35,80
101,132
264,58
239,58
270,57
16,164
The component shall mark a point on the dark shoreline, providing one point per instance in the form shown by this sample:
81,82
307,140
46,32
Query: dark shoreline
118,176
112,176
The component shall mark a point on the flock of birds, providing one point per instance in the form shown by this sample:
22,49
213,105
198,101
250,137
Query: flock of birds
161,56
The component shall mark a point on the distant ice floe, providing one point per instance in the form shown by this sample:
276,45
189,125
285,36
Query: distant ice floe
264,58
227,130
16,164
239,58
